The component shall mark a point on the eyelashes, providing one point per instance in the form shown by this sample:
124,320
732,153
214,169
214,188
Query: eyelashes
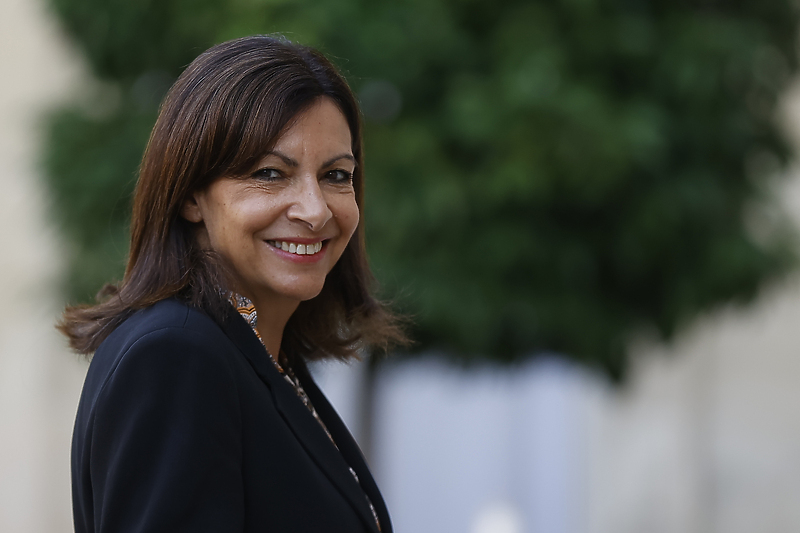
337,176
267,174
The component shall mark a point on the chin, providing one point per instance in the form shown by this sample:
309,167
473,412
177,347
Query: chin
303,294
311,296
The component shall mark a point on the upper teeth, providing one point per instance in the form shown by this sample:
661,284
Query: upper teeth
300,249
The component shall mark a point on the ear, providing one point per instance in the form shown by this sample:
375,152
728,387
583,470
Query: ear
191,209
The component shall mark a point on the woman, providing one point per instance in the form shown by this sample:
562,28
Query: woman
195,417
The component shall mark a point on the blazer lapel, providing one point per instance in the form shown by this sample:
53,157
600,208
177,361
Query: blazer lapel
348,447
239,332
297,416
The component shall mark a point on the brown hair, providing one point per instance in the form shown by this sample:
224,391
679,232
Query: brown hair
223,112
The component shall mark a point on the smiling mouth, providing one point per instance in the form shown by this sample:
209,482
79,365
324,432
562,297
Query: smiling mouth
299,249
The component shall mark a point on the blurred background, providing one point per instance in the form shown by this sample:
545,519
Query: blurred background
589,208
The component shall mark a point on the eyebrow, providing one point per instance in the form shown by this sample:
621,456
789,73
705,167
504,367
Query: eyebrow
293,162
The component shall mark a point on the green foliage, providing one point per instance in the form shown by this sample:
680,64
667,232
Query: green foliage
542,176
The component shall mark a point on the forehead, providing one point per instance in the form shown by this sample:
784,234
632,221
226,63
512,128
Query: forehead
320,127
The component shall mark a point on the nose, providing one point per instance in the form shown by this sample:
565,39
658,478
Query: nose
309,205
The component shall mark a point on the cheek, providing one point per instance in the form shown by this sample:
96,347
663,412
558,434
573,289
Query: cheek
241,220
347,214
228,235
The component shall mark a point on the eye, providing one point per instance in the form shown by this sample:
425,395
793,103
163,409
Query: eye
267,174
339,176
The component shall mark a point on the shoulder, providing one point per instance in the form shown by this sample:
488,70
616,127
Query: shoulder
168,340
168,320
168,315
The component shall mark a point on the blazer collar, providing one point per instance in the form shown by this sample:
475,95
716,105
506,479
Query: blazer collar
333,462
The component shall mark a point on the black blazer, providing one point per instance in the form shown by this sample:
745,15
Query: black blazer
186,425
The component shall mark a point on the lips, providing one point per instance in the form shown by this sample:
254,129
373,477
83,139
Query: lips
298,249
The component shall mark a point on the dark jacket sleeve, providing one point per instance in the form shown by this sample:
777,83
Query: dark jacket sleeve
165,451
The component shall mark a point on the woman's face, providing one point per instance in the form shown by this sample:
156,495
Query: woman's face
283,227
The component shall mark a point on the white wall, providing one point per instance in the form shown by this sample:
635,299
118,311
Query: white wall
39,380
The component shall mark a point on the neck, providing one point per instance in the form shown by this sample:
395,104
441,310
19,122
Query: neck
272,318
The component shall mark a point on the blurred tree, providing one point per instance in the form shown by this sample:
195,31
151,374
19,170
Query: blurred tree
542,175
